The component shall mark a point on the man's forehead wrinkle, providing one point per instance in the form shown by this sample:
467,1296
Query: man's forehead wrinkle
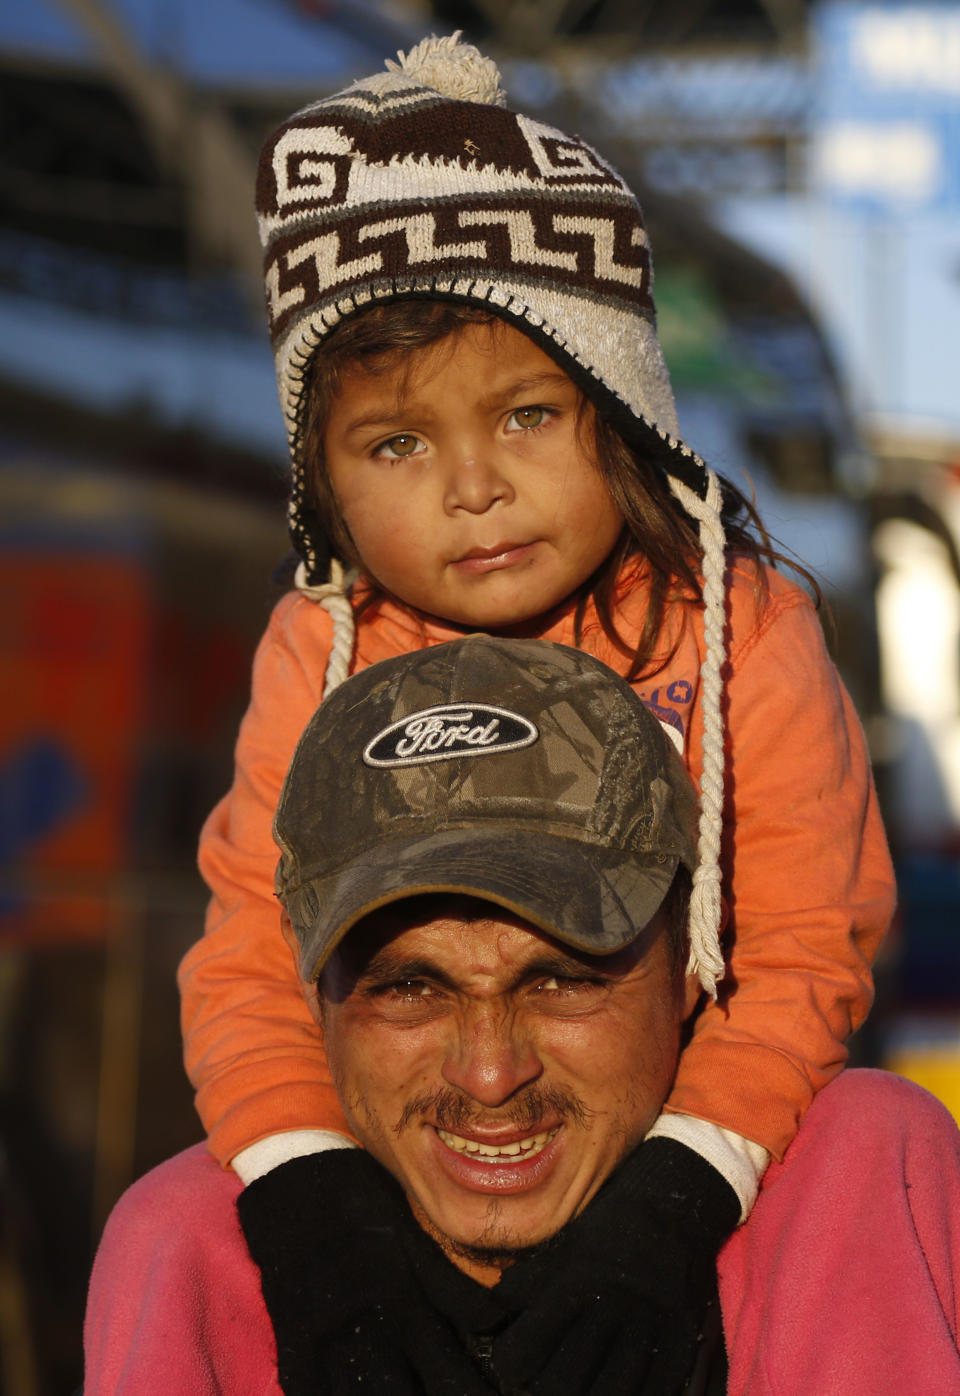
548,958
462,953
516,956
388,923
452,948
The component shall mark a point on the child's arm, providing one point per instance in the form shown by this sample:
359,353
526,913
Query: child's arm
251,1046
739,1161
808,874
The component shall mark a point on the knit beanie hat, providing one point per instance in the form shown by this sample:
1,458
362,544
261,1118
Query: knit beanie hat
419,182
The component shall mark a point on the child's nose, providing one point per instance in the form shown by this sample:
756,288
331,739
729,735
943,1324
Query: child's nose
474,484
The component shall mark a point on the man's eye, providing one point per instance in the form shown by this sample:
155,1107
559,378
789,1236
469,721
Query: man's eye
406,989
527,418
399,447
568,986
407,1000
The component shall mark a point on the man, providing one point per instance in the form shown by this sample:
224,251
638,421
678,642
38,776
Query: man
525,776
491,931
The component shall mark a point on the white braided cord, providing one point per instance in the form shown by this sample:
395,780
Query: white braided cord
334,600
706,959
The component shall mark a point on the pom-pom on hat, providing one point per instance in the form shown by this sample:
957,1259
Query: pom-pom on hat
419,182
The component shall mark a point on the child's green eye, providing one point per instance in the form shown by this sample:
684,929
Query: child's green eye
528,417
403,445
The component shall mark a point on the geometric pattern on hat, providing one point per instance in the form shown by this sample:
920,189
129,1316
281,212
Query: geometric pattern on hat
417,182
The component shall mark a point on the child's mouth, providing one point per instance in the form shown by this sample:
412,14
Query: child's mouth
480,560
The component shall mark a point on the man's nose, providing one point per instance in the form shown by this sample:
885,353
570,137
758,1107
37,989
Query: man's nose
475,483
490,1057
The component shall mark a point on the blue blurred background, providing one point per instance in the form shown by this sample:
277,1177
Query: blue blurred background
799,166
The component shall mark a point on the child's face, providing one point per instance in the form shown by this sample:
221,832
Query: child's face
464,481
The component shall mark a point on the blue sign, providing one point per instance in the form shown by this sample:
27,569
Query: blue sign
886,128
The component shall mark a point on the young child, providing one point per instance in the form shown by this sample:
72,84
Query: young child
481,424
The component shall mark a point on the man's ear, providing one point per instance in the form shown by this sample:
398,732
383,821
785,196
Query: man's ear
310,991
290,936
692,989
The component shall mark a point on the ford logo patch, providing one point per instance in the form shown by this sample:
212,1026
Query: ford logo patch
448,731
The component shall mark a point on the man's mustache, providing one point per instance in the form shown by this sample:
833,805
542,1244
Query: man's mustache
450,1109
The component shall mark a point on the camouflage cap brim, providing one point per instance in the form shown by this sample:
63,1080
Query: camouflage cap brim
591,898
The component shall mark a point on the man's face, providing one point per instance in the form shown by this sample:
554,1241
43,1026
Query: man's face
497,1074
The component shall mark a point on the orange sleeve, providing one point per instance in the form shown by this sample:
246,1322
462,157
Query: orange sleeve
807,875
251,1047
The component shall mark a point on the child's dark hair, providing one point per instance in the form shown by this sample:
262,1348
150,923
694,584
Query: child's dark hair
658,532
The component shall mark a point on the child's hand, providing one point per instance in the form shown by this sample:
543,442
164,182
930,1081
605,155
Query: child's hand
621,1299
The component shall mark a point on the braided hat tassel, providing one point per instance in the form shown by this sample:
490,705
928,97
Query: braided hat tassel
706,906
334,600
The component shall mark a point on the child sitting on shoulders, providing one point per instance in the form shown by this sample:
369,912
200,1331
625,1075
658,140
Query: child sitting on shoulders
482,432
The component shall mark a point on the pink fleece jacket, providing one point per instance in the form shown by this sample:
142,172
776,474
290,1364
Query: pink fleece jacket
845,1278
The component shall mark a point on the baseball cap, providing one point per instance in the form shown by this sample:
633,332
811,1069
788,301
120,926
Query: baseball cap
522,772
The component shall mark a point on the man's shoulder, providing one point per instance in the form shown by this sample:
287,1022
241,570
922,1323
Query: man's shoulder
187,1185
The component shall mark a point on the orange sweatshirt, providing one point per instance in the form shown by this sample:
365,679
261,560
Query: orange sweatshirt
807,875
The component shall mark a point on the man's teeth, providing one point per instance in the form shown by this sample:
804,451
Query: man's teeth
520,1149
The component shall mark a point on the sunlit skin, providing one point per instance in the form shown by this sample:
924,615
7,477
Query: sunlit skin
445,1032
466,476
